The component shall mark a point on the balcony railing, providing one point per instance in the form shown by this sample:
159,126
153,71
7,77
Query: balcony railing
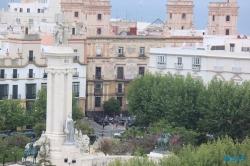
76,59
98,55
31,75
119,90
236,69
3,76
98,77
76,93
30,96
31,59
3,96
142,55
15,96
161,64
120,76
178,65
98,90
76,74
45,75
121,55
218,68
196,67
15,75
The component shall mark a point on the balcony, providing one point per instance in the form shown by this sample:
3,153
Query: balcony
98,77
236,70
31,75
142,55
196,67
76,59
15,76
98,91
3,96
218,69
178,66
15,96
98,55
45,75
31,59
120,77
76,74
30,96
161,64
120,91
3,76
121,55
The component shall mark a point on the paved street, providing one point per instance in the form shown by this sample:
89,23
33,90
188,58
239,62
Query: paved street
110,129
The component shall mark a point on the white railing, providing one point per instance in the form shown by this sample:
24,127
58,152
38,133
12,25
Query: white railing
236,69
218,68
178,65
161,64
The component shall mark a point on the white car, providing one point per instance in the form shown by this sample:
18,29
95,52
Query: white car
118,135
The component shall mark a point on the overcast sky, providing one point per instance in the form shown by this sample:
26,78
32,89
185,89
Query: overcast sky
150,10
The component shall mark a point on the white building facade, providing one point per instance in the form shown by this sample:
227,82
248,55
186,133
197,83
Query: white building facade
226,58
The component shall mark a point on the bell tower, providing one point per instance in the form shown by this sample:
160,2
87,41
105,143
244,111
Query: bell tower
223,18
180,14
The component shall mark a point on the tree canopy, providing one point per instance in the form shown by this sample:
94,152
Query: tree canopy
112,106
219,107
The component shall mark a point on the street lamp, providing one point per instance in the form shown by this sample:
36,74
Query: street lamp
66,161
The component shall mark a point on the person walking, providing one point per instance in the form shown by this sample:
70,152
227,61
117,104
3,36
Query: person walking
103,125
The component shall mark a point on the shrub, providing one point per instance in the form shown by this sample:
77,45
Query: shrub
17,140
105,146
39,128
84,127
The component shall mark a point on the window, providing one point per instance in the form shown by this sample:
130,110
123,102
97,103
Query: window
28,10
232,47
97,101
196,63
75,50
44,20
99,31
31,73
15,9
213,17
45,75
227,31
15,92
141,70
98,51
170,15
161,60
120,50
218,48
120,73
38,11
98,73
227,18
120,100
18,20
179,60
30,91
21,10
120,89
43,85
245,49
73,31
98,87
99,17
29,106
30,21
42,10
31,58
2,75
142,50
4,91
15,73
182,27
76,14
76,88
183,15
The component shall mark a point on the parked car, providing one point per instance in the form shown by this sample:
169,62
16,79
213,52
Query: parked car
118,135
30,134
3,136
130,124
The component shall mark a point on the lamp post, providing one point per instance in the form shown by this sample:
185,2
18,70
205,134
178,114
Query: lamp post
13,157
67,161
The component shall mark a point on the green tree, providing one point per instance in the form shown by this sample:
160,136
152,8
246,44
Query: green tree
105,145
39,128
112,106
76,111
14,113
84,127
